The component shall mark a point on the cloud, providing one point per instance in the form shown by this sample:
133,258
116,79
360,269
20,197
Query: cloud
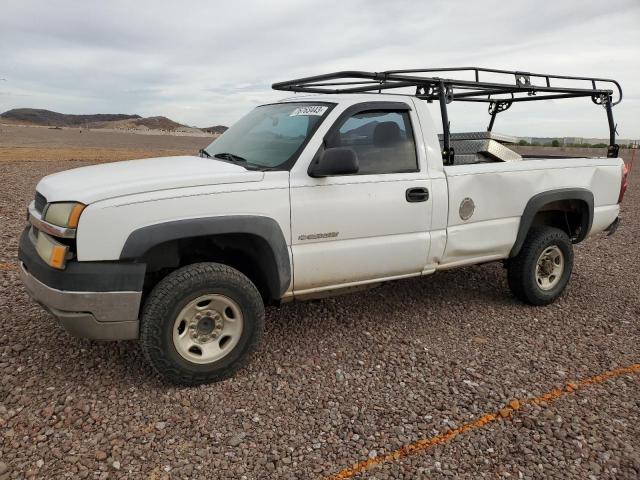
204,63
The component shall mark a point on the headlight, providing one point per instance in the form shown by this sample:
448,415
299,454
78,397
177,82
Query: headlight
51,251
64,214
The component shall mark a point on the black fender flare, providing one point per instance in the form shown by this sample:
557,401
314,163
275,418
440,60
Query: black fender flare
143,239
535,204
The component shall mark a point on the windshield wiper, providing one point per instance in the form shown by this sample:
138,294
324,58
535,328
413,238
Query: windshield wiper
204,153
231,156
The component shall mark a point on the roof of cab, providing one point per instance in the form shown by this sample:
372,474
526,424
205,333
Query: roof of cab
347,98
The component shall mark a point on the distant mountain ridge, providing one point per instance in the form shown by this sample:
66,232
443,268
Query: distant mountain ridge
119,121
36,116
152,123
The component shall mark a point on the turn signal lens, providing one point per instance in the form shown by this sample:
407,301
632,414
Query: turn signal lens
52,252
64,214
74,216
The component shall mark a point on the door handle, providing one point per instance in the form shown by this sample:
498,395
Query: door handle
417,194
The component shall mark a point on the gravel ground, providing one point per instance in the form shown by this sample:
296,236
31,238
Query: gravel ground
340,380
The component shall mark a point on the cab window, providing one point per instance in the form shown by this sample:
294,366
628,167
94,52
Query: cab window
382,140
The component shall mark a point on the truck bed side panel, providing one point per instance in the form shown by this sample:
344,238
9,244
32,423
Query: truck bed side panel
500,192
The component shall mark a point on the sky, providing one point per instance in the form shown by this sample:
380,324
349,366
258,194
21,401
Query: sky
207,63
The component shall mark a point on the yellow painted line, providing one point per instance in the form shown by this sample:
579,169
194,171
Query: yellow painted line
506,412
8,266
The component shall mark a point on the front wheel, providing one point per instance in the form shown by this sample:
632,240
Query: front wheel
201,323
541,271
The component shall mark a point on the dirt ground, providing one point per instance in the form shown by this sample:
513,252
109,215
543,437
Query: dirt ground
440,377
36,144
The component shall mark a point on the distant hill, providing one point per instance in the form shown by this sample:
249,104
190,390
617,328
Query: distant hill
34,116
47,118
151,123
217,129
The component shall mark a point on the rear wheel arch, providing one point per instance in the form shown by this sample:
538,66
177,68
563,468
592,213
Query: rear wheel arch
254,245
569,209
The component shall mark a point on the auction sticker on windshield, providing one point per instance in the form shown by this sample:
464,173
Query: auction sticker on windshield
309,110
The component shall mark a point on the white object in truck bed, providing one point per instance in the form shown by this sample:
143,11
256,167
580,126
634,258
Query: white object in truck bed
481,147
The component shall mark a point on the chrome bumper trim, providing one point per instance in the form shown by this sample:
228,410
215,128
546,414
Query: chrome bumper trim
36,220
104,306
85,325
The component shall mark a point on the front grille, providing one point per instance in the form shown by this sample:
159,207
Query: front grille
40,202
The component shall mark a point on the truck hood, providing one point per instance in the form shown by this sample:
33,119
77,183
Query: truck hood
109,180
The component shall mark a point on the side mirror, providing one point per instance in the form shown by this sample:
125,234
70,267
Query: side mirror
334,161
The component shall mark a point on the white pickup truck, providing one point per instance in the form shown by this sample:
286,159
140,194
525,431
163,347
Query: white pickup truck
307,197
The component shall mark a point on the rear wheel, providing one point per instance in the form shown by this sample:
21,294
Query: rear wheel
201,323
541,271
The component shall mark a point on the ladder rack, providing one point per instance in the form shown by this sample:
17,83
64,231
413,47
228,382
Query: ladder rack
501,93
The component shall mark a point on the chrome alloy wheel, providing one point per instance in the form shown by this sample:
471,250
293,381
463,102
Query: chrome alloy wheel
207,328
549,267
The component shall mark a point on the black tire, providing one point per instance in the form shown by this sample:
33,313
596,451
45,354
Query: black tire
170,296
521,270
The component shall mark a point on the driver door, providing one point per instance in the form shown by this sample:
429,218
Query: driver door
363,227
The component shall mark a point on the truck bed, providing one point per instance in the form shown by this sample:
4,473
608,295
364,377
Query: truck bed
500,190
490,147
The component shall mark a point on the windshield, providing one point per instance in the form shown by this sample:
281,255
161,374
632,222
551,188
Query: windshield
270,136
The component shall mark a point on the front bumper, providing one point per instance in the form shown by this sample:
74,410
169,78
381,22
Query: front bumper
94,315
96,300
